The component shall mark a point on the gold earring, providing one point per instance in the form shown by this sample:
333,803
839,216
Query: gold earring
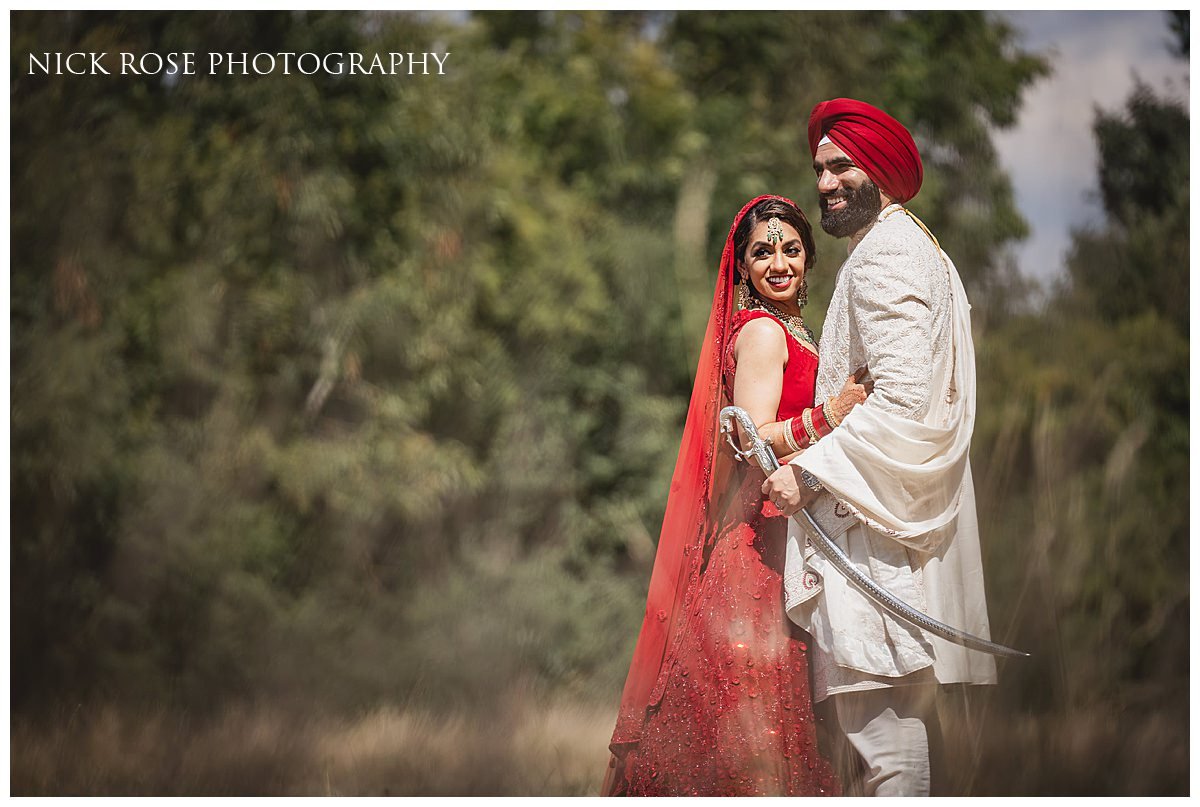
743,294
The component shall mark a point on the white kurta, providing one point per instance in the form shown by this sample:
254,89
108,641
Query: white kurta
900,498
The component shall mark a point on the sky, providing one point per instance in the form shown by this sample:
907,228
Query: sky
1051,153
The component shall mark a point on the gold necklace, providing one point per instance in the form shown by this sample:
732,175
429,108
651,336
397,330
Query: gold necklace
937,247
792,323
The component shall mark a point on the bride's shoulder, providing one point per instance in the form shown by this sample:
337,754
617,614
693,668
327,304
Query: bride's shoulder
761,330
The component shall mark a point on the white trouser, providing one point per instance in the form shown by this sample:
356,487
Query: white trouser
887,727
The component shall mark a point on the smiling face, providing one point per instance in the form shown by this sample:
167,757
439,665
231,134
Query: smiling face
850,201
774,263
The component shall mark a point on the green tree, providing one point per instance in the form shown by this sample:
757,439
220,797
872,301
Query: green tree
347,388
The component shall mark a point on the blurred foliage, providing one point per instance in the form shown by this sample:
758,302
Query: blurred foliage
1088,432
350,390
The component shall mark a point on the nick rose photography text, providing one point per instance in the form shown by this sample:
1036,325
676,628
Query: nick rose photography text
83,63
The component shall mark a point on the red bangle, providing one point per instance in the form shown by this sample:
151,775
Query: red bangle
820,422
800,434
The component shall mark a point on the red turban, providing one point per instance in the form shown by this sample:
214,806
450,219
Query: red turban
876,141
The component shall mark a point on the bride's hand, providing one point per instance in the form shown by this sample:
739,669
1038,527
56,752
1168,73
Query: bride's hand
853,392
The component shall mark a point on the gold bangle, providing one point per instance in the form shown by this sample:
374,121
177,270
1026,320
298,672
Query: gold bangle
833,419
806,420
788,437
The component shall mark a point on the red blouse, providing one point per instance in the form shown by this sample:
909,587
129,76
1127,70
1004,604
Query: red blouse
799,375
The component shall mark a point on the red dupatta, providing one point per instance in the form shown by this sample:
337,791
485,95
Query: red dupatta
701,470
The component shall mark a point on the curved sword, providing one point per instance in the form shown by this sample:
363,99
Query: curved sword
762,453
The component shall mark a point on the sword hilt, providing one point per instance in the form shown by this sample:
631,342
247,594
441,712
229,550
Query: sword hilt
760,450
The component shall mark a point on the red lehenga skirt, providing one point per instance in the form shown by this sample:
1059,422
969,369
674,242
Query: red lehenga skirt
736,714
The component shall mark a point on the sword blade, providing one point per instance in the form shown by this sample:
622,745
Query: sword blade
764,455
890,602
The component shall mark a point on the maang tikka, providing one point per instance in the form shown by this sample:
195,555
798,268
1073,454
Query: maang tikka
774,230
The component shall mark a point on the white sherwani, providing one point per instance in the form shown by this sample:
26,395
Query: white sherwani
899,498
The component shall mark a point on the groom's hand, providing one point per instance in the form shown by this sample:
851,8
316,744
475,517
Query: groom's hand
785,489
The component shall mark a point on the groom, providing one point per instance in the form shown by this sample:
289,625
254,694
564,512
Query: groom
892,484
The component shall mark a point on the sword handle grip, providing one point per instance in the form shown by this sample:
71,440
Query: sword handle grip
759,448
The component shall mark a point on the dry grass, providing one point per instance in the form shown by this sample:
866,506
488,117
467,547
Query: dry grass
1098,752
531,748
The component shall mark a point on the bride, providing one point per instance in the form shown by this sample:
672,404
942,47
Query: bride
717,701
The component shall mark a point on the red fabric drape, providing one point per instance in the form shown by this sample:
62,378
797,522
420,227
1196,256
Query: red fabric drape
700,470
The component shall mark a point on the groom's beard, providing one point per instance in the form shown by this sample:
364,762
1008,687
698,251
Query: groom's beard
862,206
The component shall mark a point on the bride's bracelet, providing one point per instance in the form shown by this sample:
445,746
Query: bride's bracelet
806,418
822,421
797,435
789,437
813,425
833,419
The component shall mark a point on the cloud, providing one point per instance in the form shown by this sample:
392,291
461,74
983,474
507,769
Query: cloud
1051,153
